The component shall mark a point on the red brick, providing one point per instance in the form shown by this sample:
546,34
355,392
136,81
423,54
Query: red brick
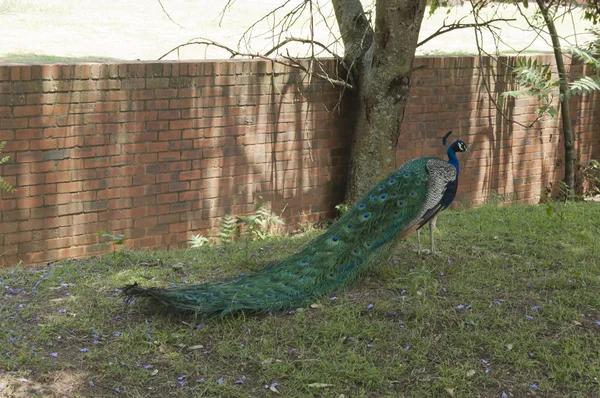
109,193
58,176
69,187
30,179
85,218
167,198
29,110
142,95
58,243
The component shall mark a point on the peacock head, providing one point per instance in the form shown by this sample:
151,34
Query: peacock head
459,146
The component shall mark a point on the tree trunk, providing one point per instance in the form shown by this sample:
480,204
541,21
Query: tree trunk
565,113
382,61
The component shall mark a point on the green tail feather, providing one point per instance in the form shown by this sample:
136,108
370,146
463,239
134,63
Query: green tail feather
334,261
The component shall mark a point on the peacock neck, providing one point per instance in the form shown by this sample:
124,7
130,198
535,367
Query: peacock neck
453,160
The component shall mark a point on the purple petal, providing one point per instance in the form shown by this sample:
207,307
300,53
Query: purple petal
91,383
535,308
403,292
484,361
117,334
95,342
117,389
202,380
370,346
460,307
182,378
241,381
504,395
117,318
62,311
529,317
83,349
597,323
332,298
534,387
220,381
370,306
274,384
54,355
11,340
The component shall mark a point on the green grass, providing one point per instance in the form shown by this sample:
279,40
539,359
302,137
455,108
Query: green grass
528,282
37,58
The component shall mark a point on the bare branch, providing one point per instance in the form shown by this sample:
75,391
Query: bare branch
293,62
167,14
457,25
222,13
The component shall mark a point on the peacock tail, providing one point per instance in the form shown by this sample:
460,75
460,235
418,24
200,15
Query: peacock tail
336,260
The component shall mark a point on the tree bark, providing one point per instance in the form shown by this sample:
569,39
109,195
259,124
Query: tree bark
565,114
382,64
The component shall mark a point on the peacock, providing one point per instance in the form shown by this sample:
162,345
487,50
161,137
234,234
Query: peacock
337,259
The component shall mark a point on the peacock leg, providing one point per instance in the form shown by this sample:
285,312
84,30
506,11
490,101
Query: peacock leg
432,224
419,241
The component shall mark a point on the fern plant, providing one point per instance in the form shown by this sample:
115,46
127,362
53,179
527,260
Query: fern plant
590,55
228,229
4,185
198,241
535,79
260,225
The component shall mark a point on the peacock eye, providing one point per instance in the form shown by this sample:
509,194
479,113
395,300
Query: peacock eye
391,181
362,206
350,226
400,203
366,216
381,187
335,239
383,196
412,193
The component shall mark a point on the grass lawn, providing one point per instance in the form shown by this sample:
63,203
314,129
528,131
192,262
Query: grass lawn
511,306
92,30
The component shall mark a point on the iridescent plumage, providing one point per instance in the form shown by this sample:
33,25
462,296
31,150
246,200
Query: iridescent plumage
395,207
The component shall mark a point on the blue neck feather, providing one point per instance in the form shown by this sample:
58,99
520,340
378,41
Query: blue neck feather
452,159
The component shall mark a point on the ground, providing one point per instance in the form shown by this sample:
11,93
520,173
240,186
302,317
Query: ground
89,30
510,306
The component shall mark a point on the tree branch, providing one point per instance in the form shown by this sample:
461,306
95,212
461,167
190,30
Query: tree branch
167,14
294,62
457,25
356,32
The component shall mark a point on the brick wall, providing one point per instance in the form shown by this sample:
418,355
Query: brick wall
511,162
158,151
